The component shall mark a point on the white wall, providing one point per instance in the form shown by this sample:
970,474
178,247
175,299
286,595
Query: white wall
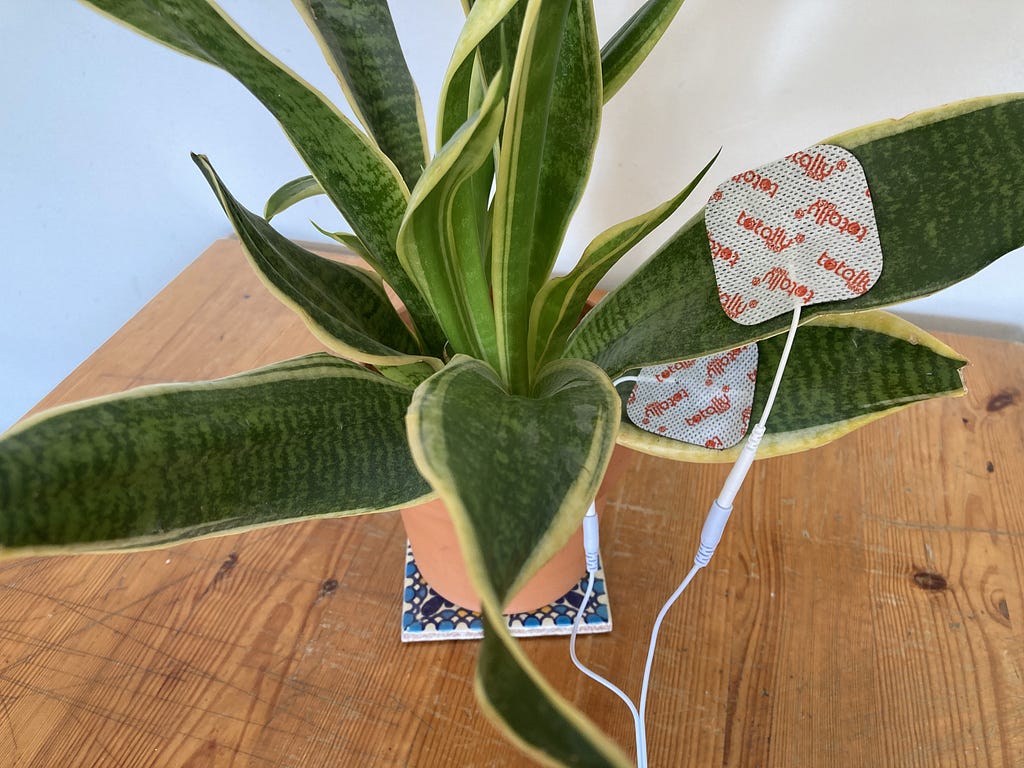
102,206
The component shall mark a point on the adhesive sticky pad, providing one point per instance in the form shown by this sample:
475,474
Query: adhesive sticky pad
800,230
704,401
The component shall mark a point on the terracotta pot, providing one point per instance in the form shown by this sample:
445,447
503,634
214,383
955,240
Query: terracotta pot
436,549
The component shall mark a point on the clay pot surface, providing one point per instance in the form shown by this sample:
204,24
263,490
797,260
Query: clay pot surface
436,549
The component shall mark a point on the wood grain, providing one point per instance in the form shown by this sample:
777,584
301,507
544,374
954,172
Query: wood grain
865,608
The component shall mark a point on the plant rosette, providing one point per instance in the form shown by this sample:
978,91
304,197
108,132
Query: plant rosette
494,399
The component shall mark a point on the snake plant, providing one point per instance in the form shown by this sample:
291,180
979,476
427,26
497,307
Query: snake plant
489,392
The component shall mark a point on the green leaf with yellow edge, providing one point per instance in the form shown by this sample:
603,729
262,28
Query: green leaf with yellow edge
290,193
456,103
462,94
517,474
361,46
844,372
547,147
344,306
948,191
561,301
439,242
316,436
629,47
358,178
347,240
498,49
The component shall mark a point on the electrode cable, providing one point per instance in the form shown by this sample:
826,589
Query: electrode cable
711,534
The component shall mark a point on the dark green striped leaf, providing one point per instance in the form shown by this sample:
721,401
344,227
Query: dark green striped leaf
948,191
439,242
517,474
844,372
361,46
456,103
560,303
363,183
312,436
547,148
627,49
539,721
345,307
461,96
291,193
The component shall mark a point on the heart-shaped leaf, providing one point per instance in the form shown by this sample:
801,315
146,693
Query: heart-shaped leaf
517,474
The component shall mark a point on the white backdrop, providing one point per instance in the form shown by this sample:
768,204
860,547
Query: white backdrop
102,206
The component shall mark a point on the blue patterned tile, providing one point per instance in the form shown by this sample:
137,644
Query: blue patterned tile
426,615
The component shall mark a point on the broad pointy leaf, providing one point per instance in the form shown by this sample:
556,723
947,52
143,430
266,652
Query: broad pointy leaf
439,241
462,94
345,307
948,192
844,372
627,49
313,436
559,305
456,103
363,183
517,474
547,148
291,193
498,48
514,695
361,46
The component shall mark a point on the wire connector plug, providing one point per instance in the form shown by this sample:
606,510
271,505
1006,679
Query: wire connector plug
591,540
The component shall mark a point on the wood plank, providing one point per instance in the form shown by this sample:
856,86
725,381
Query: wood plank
865,607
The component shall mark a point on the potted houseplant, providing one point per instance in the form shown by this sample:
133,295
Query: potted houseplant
492,396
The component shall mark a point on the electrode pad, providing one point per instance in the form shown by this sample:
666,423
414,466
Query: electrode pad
705,401
798,230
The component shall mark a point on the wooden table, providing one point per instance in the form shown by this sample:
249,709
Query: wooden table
865,608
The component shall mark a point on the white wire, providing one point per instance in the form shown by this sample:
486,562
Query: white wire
641,755
639,717
651,648
697,566
782,366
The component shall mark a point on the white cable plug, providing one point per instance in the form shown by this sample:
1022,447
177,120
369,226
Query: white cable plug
591,547
591,539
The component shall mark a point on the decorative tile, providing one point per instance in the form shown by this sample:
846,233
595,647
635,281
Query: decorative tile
427,616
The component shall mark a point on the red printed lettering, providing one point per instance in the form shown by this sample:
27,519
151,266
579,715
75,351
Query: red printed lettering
826,214
778,279
723,252
816,167
758,182
666,374
734,305
719,404
774,238
716,366
661,407
857,281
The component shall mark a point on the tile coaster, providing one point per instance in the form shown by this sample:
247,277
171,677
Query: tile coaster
428,616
